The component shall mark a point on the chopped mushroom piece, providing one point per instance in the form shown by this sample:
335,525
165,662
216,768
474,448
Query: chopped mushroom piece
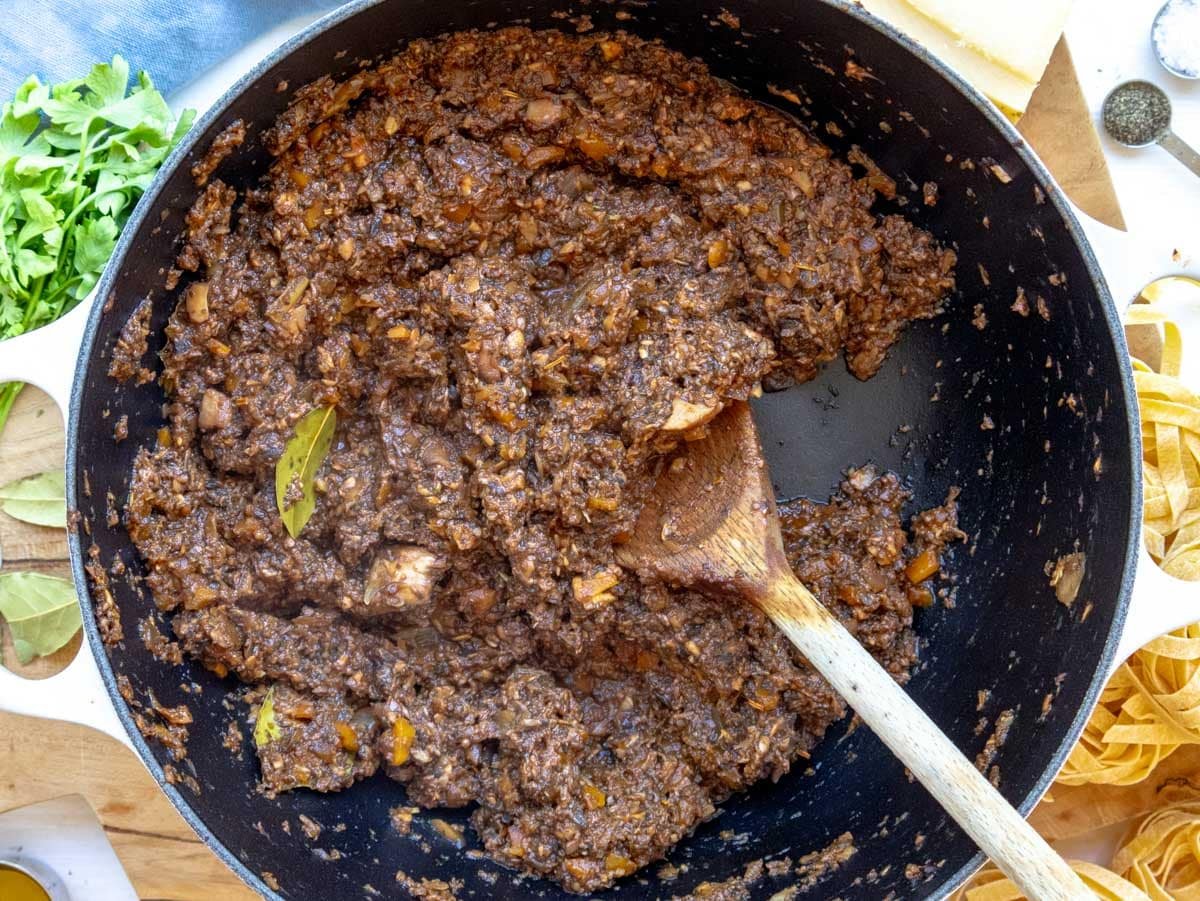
402,576
686,415
543,112
594,592
195,301
216,410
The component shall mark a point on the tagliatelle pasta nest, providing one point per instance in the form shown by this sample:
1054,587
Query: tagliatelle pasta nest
1162,856
1170,414
1149,708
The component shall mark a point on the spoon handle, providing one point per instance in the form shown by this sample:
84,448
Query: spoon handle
913,737
1181,150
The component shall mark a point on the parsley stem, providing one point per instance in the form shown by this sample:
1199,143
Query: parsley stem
31,305
58,300
87,201
8,394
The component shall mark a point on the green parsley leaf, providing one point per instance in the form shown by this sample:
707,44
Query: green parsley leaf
94,243
74,159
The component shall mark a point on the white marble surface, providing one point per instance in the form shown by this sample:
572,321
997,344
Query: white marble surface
1110,42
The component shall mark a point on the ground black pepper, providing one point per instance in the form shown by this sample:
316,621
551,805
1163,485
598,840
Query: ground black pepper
1137,113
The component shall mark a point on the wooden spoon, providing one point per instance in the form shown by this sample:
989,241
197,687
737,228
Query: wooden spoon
710,523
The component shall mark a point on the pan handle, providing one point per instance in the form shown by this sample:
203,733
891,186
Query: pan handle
1160,602
46,357
76,695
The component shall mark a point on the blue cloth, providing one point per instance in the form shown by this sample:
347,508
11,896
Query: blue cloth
173,40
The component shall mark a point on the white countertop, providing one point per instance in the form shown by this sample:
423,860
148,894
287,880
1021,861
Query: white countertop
1110,43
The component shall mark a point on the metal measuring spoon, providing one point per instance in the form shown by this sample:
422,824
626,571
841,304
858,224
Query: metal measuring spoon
1175,35
1138,114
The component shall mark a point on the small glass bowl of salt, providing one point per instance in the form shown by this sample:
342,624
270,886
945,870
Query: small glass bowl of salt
1176,37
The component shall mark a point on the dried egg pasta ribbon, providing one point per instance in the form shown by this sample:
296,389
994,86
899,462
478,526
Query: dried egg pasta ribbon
1172,352
1170,414
1161,856
989,884
1149,708
1151,705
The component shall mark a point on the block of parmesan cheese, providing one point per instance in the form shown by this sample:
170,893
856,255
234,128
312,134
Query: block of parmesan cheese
1002,48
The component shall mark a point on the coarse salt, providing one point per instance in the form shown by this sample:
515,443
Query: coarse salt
1177,37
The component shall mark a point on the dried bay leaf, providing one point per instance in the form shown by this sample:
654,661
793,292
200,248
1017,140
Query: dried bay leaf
40,499
297,468
41,611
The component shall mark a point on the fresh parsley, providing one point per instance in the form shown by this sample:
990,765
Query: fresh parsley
74,159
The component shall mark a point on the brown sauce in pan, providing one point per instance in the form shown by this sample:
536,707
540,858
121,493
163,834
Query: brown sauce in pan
521,266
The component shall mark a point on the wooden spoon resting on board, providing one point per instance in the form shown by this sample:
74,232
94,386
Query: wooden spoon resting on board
710,523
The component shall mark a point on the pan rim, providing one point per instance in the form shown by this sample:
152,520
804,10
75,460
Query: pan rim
319,26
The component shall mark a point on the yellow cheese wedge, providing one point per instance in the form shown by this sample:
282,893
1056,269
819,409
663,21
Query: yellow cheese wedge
1000,48
1010,91
1016,34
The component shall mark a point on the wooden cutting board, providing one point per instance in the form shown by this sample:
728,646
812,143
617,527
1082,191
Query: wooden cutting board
43,759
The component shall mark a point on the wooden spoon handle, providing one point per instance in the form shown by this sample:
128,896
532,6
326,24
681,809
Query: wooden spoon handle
913,737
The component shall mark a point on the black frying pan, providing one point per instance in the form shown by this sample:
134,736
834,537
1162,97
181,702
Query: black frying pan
1057,472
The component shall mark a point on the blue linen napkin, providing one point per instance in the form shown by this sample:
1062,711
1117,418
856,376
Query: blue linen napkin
173,40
